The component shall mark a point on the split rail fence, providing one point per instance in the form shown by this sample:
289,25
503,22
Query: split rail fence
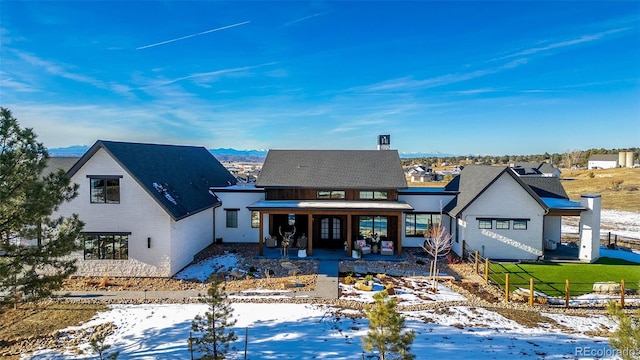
534,291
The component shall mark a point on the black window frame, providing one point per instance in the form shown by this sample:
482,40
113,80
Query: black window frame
231,221
331,194
111,187
517,224
374,195
502,222
429,223
110,246
484,221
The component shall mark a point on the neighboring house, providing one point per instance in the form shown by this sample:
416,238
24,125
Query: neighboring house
603,161
505,216
59,163
147,208
536,169
337,197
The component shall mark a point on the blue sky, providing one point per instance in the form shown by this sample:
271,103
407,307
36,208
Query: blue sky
506,77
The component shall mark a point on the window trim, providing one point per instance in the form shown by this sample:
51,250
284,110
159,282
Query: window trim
229,224
106,187
430,222
331,195
375,195
484,221
112,235
518,222
504,223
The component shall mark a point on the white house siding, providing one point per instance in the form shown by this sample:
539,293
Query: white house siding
602,164
188,237
505,199
237,199
137,213
553,228
422,203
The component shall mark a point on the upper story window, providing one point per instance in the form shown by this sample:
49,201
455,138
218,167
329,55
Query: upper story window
502,224
519,224
105,189
373,195
485,223
331,194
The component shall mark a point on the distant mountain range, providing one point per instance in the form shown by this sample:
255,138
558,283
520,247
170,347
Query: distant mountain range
223,154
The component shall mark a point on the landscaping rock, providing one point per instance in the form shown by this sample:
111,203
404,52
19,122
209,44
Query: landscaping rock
607,287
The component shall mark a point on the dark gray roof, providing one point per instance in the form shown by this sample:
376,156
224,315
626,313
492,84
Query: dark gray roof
604,157
332,169
541,167
177,177
57,163
546,187
474,180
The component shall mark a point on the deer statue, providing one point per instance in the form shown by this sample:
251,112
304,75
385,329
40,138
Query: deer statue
287,239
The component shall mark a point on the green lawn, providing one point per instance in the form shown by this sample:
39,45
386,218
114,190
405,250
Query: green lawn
550,278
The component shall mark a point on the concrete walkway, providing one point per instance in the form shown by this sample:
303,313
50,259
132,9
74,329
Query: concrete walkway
326,289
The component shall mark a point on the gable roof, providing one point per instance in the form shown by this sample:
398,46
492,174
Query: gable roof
56,163
474,180
177,177
546,187
541,167
332,169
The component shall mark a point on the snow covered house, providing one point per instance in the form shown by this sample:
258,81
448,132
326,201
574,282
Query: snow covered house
147,208
337,198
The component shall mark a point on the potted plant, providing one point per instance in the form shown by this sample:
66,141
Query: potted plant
375,240
356,253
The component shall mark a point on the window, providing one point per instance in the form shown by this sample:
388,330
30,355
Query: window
106,246
519,224
419,224
232,217
502,224
370,225
331,194
105,190
255,219
373,195
485,223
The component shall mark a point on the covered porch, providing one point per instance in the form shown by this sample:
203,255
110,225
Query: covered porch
330,225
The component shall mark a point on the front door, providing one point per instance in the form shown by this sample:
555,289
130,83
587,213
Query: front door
329,232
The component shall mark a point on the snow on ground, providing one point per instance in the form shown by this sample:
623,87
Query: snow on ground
623,223
299,331
408,291
202,270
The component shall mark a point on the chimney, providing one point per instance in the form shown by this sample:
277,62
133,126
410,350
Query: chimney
384,142
590,228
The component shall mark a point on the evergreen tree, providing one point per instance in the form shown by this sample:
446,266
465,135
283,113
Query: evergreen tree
626,338
27,200
386,327
215,336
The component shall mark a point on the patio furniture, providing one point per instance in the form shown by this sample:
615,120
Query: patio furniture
363,246
270,241
386,248
302,242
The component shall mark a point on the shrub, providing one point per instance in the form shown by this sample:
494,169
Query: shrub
369,277
453,258
420,262
349,280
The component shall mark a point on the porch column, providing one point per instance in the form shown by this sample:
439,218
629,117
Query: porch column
260,237
399,235
590,228
310,237
349,234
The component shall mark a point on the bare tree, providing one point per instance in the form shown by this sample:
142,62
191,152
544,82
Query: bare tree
572,158
437,243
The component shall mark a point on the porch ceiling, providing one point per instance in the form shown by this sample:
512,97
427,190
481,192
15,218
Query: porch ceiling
330,205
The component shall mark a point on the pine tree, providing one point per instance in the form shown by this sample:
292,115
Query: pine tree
27,200
215,336
386,327
626,338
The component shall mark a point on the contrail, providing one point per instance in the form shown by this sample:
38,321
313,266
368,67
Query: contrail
193,35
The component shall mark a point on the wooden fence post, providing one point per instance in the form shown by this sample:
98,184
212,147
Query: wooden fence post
567,293
486,271
506,287
531,292
622,291
477,262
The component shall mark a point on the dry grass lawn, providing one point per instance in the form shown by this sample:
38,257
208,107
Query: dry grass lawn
620,188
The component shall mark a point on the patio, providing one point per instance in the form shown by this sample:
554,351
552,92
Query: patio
326,254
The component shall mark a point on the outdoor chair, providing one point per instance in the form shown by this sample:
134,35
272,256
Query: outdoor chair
302,241
363,246
270,241
386,248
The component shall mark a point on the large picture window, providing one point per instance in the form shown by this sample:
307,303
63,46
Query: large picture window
106,246
105,190
418,224
370,225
